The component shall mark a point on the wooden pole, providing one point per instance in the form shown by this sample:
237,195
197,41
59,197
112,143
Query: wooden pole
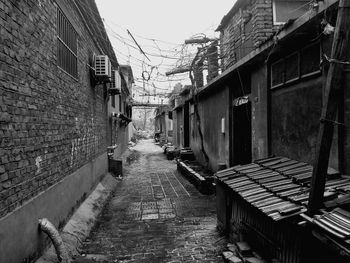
334,85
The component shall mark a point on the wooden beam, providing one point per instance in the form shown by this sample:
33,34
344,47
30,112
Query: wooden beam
178,71
333,91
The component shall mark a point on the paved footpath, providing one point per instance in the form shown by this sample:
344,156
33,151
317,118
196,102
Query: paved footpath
156,215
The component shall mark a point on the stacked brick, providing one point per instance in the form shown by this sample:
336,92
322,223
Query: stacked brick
50,123
248,28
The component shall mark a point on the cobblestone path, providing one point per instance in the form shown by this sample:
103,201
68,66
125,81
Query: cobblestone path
156,215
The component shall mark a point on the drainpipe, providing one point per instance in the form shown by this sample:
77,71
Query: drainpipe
47,227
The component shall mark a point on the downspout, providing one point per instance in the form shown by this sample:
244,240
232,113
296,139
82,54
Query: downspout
195,100
47,227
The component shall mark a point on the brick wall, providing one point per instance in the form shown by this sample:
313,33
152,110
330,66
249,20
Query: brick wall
248,28
50,123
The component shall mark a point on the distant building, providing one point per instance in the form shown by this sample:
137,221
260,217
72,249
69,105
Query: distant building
53,116
163,124
120,112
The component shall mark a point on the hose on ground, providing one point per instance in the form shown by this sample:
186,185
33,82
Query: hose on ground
47,227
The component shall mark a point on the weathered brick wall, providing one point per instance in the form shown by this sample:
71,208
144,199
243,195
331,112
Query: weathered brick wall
50,123
248,28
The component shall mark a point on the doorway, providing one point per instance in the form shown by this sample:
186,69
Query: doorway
242,132
186,120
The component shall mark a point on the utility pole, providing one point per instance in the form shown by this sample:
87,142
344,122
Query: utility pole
333,91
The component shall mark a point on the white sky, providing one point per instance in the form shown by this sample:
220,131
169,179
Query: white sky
169,23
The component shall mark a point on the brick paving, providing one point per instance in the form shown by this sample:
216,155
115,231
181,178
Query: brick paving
156,215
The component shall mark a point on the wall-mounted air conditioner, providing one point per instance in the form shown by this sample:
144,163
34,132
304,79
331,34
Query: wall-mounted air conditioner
103,67
116,83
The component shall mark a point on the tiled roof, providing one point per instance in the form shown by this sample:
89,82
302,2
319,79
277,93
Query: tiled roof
278,186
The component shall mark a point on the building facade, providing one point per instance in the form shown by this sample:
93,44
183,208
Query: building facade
120,112
53,117
268,98
266,102
163,124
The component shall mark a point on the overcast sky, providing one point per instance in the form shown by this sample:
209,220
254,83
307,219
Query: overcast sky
160,27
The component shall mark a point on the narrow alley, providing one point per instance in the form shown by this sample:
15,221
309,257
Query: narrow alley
156,215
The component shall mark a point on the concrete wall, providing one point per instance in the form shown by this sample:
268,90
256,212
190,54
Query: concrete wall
19,233
346,132
259,98
178,127
295,115
212,109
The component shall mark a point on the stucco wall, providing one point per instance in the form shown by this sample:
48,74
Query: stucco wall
259,98
212,109
295,115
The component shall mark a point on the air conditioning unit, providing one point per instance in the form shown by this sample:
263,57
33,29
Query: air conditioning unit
103,67
116,83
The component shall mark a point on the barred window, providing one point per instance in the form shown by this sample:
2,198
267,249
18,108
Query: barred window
66,45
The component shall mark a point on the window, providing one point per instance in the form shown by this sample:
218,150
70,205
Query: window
277,73
292,67
67,45
310,59
300,64
284,10
113,101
